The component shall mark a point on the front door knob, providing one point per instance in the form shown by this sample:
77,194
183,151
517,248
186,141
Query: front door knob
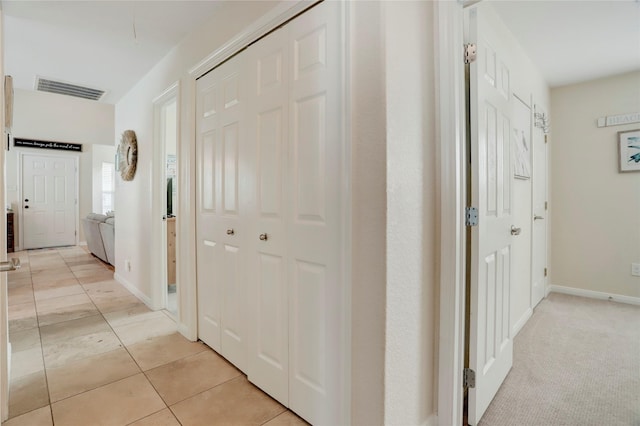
230,232
515,231
264,237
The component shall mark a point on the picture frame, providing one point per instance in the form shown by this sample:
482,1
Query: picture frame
629,150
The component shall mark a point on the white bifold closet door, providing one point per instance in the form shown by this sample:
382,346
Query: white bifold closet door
222,214
288,218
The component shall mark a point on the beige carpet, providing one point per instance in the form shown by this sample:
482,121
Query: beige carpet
576,362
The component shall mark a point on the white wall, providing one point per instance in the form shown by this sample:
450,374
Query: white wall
595,210
411,210
369,206
51,117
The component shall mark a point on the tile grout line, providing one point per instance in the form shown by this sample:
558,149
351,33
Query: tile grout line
61,322
44,366
101,314
42,348
132,358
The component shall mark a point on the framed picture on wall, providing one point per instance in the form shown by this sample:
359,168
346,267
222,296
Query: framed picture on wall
629,150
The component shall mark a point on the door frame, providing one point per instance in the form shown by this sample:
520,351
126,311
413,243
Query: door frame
21,154
159,296
452,171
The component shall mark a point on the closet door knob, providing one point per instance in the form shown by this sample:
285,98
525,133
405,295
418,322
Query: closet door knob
263,237
230,231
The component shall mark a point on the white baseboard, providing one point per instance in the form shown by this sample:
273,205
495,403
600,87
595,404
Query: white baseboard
547,290
595,294
521,322
184,330
431,421
134,290
82,243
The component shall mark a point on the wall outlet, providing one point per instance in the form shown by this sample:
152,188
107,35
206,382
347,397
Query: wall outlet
127,265
635,269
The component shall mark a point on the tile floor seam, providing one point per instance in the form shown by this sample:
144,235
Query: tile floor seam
213,387
240,373
175,415
44,365
279,414
153,414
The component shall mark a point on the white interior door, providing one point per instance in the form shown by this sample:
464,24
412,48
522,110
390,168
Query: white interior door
490,340
268,87
539,262
49,201
522,213
314,231
221,221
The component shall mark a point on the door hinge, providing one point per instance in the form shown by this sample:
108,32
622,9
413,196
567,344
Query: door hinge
468,378
546,205
469,53
545,139
545,272
471,216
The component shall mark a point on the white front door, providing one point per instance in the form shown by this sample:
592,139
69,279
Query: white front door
221,211
490,339
539,262
48,201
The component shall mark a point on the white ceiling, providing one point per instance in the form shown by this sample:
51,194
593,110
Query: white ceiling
93,43
576,40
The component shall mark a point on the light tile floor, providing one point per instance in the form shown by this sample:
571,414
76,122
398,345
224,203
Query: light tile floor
85,351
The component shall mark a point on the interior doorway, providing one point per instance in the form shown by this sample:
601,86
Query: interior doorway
49,200
166,199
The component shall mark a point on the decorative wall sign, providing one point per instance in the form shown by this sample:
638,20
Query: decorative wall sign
619,120
128,155
61,146
629,150
521,155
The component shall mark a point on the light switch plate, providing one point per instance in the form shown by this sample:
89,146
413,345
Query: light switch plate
635,269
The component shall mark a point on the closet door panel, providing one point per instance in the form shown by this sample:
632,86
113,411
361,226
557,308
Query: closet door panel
207,209
268,297
221,222
234,219
314,231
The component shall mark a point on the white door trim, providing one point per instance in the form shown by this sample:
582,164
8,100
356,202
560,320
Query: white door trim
267,23
451,154
158,234
76,158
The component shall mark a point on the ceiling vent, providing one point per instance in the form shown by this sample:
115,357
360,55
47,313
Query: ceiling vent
62,88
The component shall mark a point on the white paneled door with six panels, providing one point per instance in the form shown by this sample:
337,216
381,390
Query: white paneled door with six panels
222,211
491,341
49,201
270,213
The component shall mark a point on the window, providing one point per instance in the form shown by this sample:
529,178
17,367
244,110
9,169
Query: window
108,186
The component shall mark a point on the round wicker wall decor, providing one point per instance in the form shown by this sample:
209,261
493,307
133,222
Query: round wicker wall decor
128,155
